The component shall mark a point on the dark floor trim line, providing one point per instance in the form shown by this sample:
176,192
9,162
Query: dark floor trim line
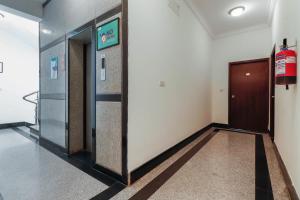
110,192
150,165
286,176
108,172
240,131
219,125
62,153
51,146
109,97
114,186
12,125
157,182
27,124
24,134
34,131
263,186
227,127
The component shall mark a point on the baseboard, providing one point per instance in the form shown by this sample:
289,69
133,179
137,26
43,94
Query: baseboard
89,169
27,124
34,131
109,172
219,125
286,176
150,165
229,128
12,125
51,146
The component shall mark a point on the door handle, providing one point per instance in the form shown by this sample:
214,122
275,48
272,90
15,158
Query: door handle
232,96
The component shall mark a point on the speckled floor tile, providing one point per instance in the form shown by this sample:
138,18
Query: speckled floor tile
30,172
280,191
223,169
131,190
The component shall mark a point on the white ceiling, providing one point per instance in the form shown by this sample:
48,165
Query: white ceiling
214,15
31,9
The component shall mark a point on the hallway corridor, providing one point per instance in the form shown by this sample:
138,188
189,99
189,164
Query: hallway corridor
217,165
158,100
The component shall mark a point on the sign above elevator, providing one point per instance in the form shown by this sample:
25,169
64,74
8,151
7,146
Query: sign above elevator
108,34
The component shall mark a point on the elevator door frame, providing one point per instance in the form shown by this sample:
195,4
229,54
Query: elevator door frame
123,8
69,37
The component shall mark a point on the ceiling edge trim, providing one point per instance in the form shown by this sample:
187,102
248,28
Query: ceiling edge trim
46,3
20,13
272,6
241,31
199,17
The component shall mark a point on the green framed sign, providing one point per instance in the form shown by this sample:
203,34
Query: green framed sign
108,34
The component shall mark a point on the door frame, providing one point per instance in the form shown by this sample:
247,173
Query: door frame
229,85
90,25
272,93
123,9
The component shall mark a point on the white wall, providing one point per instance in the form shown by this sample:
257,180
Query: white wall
19,51
174,49
287,106
243,46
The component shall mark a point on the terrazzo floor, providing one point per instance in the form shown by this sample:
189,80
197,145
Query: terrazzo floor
222,169
30,172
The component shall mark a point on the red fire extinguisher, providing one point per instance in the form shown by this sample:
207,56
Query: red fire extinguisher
286,66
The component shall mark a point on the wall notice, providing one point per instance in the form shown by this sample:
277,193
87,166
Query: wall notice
54,68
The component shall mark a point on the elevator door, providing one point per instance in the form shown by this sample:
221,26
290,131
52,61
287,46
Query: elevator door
81,97
249,95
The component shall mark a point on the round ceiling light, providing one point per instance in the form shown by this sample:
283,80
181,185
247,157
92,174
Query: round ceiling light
46,31
237,11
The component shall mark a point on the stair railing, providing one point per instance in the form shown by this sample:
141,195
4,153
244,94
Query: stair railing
35,102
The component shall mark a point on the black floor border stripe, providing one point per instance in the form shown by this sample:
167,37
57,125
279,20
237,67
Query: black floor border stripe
158,181
263,186
110,192
101,177
153,163
240,131
25,134
86,168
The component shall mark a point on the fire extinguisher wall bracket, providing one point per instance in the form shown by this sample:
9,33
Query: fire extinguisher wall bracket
286,66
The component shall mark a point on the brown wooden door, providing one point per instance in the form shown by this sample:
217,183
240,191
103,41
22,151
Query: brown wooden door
249,95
